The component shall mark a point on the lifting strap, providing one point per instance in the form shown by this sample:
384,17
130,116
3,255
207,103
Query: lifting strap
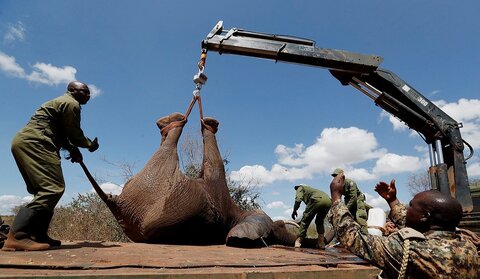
199,79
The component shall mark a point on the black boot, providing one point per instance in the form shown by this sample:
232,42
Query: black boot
41,230
20,234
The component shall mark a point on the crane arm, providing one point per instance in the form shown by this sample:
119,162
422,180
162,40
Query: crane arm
388,91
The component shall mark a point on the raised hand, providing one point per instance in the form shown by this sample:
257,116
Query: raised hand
336,187
387,191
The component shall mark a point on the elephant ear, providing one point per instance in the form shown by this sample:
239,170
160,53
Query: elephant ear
251,231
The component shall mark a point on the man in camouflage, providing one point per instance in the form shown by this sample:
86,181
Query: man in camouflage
317,203
428,247
355,200
55,125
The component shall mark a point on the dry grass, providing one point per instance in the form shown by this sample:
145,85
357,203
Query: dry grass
86,218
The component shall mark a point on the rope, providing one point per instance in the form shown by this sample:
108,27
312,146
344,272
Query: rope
403,268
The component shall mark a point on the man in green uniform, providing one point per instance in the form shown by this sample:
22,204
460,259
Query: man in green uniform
55,125
317,203
428,245
355,200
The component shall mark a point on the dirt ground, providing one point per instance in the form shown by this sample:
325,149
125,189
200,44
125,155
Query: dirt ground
108,259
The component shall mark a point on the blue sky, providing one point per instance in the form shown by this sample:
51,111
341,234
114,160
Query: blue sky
280,124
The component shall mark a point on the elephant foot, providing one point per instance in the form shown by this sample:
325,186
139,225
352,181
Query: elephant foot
167,123
210,124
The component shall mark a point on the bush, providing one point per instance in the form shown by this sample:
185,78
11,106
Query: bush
87,217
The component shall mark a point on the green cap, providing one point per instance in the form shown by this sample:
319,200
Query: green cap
296,186
336,172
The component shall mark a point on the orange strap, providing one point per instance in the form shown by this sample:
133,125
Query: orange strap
192,103
164,131
172,125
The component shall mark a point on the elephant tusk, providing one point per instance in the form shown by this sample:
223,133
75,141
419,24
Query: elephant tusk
291,223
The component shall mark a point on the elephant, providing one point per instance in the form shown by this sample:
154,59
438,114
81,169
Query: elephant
160,204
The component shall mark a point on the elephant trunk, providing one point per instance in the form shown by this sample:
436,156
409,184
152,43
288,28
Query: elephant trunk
252,229
281,235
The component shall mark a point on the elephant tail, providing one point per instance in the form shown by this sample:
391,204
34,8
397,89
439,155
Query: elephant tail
107,199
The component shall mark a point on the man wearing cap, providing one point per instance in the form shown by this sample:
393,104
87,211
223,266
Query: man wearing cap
53,126
354,200
428,243
317,203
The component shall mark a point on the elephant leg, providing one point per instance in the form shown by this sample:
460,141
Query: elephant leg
142,203
213,171
213,164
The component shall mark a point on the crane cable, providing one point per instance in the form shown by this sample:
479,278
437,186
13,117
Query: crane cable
199,79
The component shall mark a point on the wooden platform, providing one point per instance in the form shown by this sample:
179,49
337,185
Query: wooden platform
135,260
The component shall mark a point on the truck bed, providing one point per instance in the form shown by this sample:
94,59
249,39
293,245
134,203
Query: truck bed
135,260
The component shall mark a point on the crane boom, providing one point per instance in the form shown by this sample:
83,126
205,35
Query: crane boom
441,132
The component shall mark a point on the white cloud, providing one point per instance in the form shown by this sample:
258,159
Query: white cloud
392,163
15,32
42,73
277,204
334,147
260,173
398,125
337,145
9,66
463,110
347,147
360,174
473,169
421,148
94,91
466,111
51,75
110,188
8,202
